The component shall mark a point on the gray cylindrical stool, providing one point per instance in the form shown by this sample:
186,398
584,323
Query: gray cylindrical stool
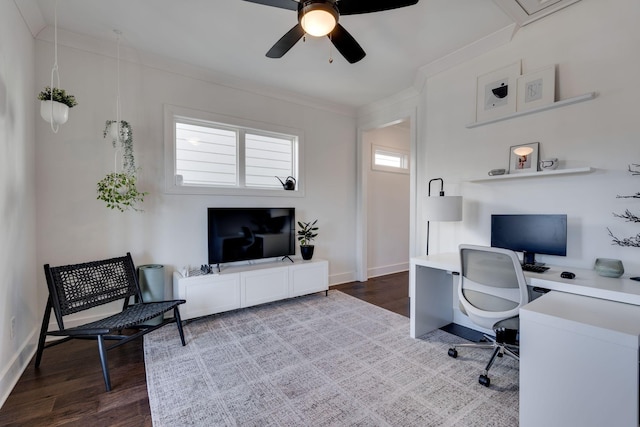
151,277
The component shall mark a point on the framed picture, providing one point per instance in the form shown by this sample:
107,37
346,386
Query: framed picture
496,93
524,158
537,89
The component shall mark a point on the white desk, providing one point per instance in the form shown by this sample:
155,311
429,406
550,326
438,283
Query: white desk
579,346
432,297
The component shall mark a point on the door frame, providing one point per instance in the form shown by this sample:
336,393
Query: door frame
363,162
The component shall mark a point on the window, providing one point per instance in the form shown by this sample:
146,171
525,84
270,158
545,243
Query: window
389,159
210,154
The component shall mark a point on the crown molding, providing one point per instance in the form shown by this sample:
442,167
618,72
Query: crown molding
466,53
108,48
31,15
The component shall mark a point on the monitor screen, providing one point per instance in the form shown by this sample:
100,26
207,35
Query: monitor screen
241,234
530,234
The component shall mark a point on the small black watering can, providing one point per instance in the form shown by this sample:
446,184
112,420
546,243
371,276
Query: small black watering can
289,183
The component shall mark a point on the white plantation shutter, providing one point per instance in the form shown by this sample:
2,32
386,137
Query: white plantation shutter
206,156
265,158
217,155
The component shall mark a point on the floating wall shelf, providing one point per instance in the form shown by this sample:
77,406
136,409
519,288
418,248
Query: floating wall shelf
534,174
564,102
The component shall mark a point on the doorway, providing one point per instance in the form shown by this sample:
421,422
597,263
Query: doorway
386,201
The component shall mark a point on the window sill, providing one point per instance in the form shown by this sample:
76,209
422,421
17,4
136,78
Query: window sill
242,192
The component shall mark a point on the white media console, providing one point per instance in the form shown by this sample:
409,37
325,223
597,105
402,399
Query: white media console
247,285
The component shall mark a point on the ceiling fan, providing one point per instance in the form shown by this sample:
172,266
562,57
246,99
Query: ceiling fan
319,18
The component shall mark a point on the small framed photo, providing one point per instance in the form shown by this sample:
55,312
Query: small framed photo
496,92
524,158
537,89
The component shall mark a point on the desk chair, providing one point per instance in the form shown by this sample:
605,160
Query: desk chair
491,290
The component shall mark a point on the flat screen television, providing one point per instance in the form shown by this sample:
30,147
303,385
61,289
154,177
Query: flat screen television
242,234
531,234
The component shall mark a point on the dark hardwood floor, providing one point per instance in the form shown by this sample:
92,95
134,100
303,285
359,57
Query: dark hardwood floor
68,390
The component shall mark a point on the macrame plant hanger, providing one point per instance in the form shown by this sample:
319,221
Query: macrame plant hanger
119,142
54,71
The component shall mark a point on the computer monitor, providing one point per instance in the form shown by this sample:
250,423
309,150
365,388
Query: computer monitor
531,234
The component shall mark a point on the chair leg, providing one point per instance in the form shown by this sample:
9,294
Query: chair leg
493,358
176,315
103,362
43,331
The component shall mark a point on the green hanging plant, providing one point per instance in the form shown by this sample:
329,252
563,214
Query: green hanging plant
126,140
120,192
118,189
58,95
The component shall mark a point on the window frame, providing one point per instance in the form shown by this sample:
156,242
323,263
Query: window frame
393,150
173,114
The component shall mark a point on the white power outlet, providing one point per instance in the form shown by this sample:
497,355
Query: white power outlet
13,328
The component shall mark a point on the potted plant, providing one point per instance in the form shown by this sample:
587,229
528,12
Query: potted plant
306,235
118,189
122,133
55,104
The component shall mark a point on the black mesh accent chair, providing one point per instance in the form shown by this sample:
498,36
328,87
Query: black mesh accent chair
74,288
491,290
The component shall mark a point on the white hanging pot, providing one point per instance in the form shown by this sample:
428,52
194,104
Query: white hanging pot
113,131
56,110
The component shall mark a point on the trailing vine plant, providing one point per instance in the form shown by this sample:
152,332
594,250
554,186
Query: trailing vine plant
633,241
125,137
118,189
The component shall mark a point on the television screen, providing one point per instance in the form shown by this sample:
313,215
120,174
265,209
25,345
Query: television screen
241,234
530,234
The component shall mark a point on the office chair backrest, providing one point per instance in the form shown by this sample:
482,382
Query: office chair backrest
492,285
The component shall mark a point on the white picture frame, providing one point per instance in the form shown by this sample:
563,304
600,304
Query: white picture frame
524,163
496,92
537,89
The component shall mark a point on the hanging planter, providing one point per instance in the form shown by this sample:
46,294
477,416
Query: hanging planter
119,191
55,104
121,135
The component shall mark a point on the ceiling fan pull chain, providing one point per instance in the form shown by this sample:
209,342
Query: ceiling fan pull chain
330,49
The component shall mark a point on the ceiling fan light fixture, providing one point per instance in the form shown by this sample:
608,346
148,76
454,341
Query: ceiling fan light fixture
318,19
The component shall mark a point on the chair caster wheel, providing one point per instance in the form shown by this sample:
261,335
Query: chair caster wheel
484,380
453,352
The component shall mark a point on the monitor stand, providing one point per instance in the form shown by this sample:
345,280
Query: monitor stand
530,258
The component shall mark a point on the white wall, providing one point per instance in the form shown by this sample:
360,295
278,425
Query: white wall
18,267
595,45
388,202
73,226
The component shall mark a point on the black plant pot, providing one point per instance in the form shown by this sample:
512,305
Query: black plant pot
306,251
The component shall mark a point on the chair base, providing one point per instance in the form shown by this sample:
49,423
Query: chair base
499,350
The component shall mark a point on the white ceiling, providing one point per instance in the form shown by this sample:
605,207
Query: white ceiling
232,36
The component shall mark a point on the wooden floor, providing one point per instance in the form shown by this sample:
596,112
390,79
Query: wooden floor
68,390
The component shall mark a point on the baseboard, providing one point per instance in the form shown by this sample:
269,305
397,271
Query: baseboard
13,371
387,269
337,279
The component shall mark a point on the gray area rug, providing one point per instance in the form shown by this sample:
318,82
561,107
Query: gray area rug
321,361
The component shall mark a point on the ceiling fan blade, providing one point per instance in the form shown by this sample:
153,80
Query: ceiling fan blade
354,7
346,44
282,4
286,42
